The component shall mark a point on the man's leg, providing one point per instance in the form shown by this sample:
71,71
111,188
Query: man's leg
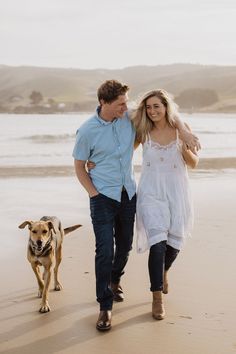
124,230
102,214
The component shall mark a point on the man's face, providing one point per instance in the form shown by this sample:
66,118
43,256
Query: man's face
117,108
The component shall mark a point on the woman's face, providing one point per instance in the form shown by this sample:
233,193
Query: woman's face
155,109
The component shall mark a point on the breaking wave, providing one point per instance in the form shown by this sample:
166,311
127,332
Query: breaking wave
48,138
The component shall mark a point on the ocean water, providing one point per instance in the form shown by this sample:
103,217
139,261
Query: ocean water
38,140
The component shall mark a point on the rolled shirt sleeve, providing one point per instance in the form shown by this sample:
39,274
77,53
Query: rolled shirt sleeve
82,147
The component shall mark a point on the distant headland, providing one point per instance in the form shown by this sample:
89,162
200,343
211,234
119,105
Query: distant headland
195,87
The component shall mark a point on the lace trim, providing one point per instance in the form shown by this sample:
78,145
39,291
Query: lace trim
164,147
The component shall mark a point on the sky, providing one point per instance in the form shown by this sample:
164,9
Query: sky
109,34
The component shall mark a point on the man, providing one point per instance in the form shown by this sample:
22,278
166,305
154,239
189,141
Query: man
107,139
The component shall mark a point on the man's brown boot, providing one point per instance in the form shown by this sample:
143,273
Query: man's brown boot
158,311
165,283
118,294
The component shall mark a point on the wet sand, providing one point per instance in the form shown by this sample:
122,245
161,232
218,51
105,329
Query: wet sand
200,307
205,164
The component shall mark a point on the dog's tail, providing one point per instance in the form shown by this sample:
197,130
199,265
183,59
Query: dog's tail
71,228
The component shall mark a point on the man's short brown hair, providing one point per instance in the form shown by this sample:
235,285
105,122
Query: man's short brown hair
110,90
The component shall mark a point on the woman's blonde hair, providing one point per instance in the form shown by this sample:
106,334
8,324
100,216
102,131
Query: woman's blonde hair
142,124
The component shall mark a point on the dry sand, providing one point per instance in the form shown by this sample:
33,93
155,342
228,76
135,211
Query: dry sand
200,307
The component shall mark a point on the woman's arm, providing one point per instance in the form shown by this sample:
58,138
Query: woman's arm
136,144
190,157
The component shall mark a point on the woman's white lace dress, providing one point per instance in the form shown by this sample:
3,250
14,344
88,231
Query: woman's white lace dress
164,203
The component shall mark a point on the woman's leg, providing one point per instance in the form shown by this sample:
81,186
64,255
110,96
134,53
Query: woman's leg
170,256
156,263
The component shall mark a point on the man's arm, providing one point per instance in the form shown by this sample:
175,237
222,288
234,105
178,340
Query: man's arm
84,178
190,158
190,140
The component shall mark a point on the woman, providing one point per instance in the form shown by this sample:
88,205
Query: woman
164,207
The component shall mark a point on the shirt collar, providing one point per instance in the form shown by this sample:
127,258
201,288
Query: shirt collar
102,121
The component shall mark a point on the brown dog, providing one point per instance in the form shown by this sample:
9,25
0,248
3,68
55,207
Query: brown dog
45,249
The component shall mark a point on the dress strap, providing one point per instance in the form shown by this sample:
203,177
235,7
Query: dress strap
148,139
178,141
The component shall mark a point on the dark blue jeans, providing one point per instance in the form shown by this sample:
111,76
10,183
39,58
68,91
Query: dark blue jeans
161,257
113,224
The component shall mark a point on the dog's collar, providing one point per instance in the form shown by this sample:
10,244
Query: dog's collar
46,249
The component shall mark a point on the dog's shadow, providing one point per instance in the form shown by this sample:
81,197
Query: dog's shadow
80,331
8,300
38,322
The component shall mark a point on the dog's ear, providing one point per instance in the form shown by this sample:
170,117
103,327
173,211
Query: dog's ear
23,225
51,226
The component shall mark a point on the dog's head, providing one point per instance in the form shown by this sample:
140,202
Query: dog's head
40,232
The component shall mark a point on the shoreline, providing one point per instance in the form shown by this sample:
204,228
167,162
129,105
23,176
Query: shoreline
205,164
222,110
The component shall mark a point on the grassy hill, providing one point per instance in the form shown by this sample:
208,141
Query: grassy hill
79,86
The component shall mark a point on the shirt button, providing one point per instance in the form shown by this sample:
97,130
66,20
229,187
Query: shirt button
175,166
161,158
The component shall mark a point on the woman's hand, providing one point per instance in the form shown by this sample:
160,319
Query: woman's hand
190,141
188,138
90,165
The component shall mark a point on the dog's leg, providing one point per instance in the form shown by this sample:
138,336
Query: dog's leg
47,277
36,270
57,285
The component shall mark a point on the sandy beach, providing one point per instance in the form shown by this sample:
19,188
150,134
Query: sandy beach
200,307
65,170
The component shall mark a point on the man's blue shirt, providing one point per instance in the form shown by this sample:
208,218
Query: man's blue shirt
110,146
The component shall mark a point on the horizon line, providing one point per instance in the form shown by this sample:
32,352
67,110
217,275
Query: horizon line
113,69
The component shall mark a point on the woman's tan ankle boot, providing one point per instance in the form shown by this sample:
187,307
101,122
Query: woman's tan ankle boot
158,311
165,283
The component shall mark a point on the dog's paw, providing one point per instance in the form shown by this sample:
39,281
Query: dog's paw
58,287
44,308
40,293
